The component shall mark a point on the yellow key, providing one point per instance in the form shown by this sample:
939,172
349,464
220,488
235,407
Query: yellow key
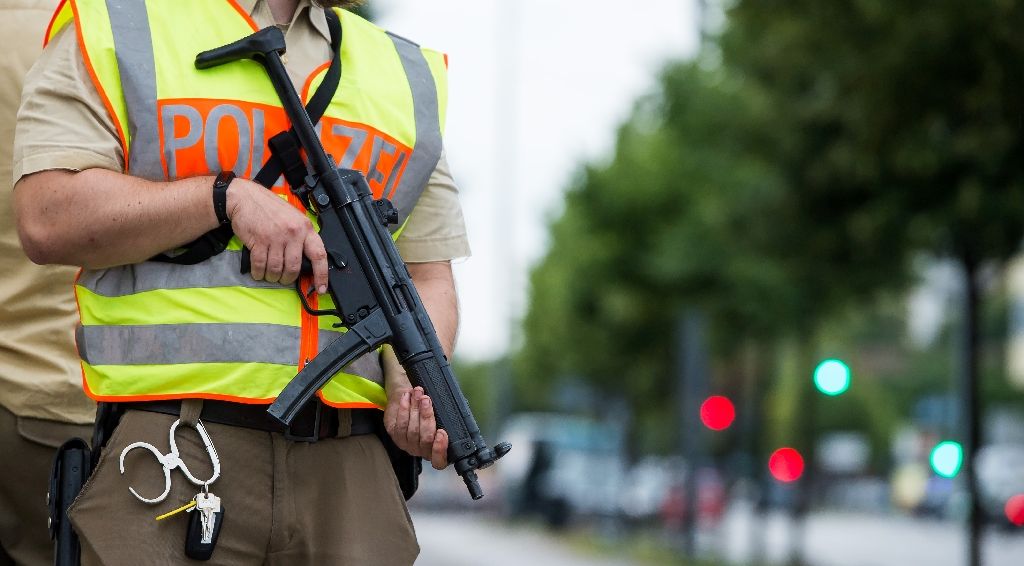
184,507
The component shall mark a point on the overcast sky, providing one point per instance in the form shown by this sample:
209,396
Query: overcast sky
536,87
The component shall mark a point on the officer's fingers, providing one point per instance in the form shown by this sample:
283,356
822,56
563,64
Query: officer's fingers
292,262
439,450
313,248
428,426
391,415
258,261
275,263
413,430
392,410
401,426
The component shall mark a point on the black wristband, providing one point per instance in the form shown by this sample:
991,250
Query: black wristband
220,196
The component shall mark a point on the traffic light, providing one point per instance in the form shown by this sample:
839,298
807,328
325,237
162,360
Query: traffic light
1015,510
946,458
717,412
832,377
786,465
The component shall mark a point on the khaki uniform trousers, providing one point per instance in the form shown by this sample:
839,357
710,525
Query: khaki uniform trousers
335,501
27,447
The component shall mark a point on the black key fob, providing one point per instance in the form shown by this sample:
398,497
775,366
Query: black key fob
195,548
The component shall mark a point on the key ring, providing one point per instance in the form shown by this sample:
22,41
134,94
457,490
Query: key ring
173,460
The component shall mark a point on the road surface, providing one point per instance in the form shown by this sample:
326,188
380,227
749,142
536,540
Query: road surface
454,539
833,539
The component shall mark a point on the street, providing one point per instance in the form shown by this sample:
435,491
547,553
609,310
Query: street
834,539
466,539
852,539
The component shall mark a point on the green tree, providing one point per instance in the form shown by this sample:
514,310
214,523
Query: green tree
902,121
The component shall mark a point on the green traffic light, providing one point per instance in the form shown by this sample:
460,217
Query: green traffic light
832,377
946,458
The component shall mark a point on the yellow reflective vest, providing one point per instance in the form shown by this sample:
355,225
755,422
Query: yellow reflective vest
163,331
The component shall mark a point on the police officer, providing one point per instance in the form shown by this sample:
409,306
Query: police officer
125,151
41,399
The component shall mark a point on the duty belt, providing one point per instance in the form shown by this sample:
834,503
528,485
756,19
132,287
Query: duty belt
315,422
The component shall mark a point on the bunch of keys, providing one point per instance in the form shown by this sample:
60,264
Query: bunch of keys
204,526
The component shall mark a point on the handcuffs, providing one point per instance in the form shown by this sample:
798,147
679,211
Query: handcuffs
173,460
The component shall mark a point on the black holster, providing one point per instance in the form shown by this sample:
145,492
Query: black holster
72,466
406,466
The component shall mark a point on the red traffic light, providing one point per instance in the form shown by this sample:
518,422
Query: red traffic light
786,465
1015,510
717,412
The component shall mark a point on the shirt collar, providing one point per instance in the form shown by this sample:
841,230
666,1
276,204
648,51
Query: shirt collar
316,15
318,19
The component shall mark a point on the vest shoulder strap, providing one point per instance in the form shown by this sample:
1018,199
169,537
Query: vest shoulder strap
62,16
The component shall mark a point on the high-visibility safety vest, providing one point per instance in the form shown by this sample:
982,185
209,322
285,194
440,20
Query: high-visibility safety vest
163,331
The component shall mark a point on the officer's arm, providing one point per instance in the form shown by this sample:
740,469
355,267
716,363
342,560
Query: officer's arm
436,285
98,218
409,416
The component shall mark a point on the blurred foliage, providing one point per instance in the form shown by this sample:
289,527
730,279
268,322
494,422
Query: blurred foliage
651,232
365,10
902,118
783,188
898,131
478,382
363,7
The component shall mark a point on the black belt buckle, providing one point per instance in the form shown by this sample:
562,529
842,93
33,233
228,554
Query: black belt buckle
303,418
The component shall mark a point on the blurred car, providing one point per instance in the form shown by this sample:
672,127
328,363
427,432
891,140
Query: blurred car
711,500
655,491
647,486
563,467
1000,472
1000,477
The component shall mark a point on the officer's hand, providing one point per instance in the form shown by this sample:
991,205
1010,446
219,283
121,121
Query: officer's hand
276,233
409,416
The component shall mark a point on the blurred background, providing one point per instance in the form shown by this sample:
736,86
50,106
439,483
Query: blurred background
746,284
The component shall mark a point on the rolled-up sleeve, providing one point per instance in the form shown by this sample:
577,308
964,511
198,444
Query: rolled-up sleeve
436,229
62,121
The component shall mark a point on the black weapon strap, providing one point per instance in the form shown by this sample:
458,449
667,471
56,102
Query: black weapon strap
285,157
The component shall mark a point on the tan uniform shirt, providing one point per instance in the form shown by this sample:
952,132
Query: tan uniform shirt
63,124
39,372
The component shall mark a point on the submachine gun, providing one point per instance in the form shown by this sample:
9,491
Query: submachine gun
374,295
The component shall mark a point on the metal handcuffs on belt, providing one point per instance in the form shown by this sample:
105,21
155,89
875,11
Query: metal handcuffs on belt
173,460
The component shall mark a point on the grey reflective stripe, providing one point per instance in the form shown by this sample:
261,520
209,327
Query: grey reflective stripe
188,343
133,46
221,270
366,366
168,344
427,151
